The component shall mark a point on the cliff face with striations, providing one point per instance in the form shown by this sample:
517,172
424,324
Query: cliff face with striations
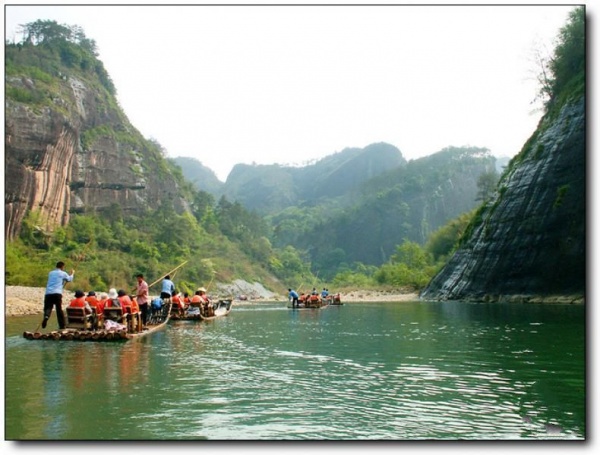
75,151
529,242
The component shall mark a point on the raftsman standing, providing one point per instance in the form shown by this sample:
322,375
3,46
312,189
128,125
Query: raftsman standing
54,292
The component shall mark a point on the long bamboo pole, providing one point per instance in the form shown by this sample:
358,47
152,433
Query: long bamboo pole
209,283
168,273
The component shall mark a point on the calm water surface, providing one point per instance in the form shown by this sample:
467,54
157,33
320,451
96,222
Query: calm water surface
363,371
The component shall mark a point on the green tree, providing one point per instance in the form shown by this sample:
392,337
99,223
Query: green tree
444,241
45,31
486,185
412,254
569,54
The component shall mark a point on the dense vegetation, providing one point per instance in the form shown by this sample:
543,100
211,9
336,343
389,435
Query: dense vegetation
48,50
562,77
406,203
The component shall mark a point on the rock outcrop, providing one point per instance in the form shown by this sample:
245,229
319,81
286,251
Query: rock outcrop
529,242
77,151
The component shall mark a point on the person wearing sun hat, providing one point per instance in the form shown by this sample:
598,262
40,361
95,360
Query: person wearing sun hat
112,300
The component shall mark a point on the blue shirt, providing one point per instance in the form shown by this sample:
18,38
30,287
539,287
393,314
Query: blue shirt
56,281
168,286
294,294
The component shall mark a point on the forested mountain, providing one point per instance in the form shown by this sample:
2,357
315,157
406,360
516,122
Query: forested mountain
202,177
268,189
405,203
359,204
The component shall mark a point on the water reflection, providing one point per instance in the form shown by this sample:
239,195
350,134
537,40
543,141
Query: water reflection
373,371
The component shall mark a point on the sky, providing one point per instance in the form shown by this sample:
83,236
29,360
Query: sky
292,84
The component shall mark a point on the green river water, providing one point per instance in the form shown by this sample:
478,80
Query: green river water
362,371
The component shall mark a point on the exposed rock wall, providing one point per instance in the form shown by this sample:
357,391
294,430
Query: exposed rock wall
49,167
39,156
529,242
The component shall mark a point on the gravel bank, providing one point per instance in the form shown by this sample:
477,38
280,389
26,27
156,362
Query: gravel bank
23,300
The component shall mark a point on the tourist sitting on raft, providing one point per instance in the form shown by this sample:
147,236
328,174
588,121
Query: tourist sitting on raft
124,300
114,309
97,306
80,302
178,305
131,309
201,304
207,306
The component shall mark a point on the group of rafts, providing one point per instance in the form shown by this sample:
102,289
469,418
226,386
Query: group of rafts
116,316
316,300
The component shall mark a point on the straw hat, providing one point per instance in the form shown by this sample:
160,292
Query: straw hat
201,289
112,293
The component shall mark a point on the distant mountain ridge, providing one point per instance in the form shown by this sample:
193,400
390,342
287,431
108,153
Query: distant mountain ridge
201,176
270,188
407,202
356,205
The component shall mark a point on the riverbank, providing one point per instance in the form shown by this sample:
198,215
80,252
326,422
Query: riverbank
24,300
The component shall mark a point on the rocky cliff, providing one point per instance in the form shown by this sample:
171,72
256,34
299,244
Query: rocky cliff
528,243
73,149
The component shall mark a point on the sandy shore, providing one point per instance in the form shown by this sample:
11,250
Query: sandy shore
22,300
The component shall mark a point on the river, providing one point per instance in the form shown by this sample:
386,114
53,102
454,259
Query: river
361,371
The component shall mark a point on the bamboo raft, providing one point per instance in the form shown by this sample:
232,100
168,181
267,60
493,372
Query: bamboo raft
311,302
223,308
156,322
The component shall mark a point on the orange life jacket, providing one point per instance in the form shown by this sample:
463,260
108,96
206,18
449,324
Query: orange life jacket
79,302
95,303
176,302
135,308
125,303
